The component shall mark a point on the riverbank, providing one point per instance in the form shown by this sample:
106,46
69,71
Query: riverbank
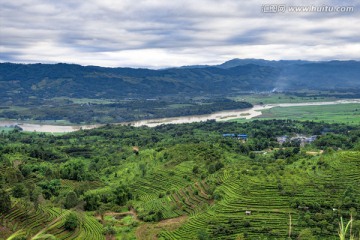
253,112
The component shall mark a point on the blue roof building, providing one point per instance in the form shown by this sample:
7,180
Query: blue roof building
239,136
242,136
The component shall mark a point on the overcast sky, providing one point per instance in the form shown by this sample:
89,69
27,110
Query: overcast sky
164,33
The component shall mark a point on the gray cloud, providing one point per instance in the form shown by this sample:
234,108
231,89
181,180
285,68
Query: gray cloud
161,33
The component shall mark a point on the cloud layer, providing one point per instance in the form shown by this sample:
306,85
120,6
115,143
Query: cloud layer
162,33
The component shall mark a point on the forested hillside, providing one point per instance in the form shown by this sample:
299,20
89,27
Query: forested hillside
204,180
65,80
68,80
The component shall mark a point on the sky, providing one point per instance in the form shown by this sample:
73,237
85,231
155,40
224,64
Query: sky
169,33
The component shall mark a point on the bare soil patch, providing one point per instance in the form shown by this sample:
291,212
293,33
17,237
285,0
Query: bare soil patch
150,231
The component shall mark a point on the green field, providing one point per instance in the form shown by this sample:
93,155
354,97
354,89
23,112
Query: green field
339,113
6,129
271,98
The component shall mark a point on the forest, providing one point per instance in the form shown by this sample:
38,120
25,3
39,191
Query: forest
186,181
80,111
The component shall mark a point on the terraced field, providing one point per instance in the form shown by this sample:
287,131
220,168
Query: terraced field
181,182
270,199
23,221
171,192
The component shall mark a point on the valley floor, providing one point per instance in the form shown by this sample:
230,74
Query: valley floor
346,110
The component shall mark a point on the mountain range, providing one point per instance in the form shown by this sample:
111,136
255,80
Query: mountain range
231,77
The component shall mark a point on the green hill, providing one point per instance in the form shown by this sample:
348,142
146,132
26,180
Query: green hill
188,181
21,81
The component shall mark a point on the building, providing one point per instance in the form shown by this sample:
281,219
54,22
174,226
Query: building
242,136
238,136
282,139
229,135
302,139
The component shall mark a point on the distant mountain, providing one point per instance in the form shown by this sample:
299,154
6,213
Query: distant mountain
333,75
237,75
299,74
261,62
241,62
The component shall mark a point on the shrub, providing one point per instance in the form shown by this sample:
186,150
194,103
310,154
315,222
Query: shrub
71,222
5,201
71,200
19,190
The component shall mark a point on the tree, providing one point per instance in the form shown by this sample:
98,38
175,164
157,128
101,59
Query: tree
296,150
92,202
122,195
19,190
50,188
218,166
71,222
71,200
195,169
159,216
109,231
211,168
356,228
5,201
203,235
73,170
34,196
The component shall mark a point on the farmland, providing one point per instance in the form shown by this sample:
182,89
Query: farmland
344,113
185,181
276,97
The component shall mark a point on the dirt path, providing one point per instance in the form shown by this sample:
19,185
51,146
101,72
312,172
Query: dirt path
315,153
172,221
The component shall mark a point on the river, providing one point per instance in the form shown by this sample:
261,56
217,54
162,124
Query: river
218,116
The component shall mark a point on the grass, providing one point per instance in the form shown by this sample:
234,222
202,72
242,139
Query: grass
271,98
41,122
339,113
6,129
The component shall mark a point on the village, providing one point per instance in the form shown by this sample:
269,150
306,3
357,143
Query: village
302,139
